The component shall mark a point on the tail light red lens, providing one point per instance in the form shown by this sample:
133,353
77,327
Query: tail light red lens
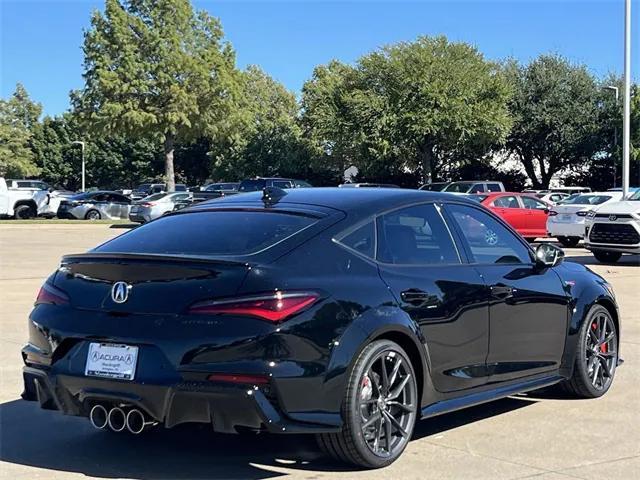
51,295
238,378
148,204
273,307
552,213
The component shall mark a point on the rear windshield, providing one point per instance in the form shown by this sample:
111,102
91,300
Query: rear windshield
590,199
251,185
210,233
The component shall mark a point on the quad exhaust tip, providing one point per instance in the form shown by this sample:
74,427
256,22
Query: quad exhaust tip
117,420
99,417
134,420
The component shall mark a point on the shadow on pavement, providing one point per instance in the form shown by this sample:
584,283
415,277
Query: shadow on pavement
33,437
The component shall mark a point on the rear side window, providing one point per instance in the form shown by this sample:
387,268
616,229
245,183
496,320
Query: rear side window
533,203
282,183
362,240
210,233
477,188
415,236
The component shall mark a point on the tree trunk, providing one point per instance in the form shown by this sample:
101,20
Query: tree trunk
168,162
426,156
530,171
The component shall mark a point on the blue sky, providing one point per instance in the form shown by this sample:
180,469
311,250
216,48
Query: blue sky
41,40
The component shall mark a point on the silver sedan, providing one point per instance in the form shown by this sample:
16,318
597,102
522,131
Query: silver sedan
95,206
155,206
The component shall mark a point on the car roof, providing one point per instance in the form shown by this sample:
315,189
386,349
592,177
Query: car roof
345,199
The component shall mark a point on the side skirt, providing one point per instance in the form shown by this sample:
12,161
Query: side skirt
472,399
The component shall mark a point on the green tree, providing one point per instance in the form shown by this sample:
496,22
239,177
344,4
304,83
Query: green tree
556,111
266,139
410,107
157,69
18,118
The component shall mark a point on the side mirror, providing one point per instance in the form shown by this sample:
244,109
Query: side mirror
548,255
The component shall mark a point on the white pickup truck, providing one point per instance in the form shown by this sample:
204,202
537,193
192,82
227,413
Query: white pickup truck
21,204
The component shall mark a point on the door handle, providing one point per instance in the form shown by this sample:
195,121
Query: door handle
418,298
502,291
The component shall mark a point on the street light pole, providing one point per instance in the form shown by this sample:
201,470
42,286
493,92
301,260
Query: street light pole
615,134
626,116
78,142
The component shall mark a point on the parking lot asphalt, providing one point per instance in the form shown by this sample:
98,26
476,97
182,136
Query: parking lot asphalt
541,435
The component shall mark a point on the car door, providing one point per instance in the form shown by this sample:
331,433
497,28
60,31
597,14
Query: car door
509,209
528,311
420,263
536,216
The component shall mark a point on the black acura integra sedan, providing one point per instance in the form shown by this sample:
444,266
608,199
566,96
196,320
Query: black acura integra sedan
344,313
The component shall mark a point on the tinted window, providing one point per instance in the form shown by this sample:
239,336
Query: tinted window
114,197
533,203
361,240
281,183
210,233
494,187
506,202
181,188
251,185
488,240
415,236
458,187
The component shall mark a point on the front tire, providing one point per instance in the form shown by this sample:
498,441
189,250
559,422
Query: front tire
606,257
596,355
24,212
92,215
379,408
569,242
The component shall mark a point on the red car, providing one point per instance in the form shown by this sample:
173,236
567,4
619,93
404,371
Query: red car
525,213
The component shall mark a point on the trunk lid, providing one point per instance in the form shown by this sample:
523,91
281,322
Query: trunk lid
155,284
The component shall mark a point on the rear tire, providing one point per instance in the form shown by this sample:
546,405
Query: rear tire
24,212
569,242
92,215
376,411
606,257
596,356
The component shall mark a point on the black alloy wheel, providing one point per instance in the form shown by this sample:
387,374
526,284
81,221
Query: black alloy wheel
596,355
380,408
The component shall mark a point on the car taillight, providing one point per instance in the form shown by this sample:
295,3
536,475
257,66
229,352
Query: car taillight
273,307
583,213
148,204
51,295
552,213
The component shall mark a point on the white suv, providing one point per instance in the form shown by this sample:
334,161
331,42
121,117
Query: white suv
614,229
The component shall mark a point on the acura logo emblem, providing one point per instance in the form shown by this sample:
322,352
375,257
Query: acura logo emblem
613,218
120,292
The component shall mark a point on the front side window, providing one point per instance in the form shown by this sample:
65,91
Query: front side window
415,236
509,201
494,187
489,241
